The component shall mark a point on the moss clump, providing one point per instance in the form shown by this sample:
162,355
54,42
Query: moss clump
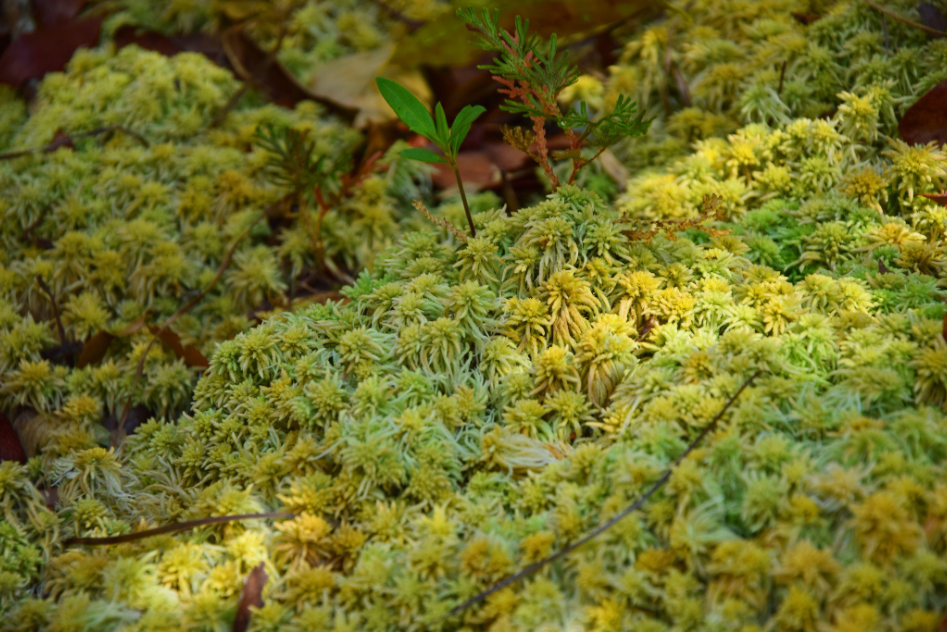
473,408
121,232
470,408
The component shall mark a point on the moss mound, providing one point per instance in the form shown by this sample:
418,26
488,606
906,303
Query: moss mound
470,407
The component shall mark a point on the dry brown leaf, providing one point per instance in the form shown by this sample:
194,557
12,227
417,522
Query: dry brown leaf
250,597
926,120
10,447
350,82
32,55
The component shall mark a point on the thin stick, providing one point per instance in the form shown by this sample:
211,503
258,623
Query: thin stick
532,568
39,220
782,78
884,28
118,434
235,98
52,299
173,528
59,142
904,20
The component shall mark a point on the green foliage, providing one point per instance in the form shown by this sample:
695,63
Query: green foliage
293,161
413,113
534,76
523,61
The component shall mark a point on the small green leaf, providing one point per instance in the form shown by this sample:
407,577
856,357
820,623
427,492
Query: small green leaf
443,132
424,155
408,107
462,123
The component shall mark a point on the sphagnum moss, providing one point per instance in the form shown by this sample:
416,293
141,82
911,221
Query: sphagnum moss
436,472
475,406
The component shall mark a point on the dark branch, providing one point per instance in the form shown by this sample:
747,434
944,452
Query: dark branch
532,568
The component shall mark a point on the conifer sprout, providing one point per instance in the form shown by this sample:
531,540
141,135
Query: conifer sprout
475,406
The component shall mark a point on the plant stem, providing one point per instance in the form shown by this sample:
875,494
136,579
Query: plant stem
463,197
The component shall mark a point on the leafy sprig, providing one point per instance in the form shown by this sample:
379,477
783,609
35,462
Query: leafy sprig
293,162
447,138
533,75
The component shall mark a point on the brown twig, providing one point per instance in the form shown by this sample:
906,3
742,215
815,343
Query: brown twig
39,220
173,528
230,105
119,432
235,98
52,300
904,20
884,29
532,568
59,142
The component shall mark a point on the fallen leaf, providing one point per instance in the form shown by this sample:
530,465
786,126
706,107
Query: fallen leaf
52,12
940,198
190,354
250,597
507,157
10,447
32,55
137,415
64,353
270,76
51,496
932,16
96,347
477,171
926,120
149,40
806,18
350,82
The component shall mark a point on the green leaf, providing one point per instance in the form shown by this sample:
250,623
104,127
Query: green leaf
443,133
408,107
462,123
424,155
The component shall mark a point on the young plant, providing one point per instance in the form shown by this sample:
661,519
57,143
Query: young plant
448,139
532,80
294,165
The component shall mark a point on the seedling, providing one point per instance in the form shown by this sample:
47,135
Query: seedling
532,80
412,113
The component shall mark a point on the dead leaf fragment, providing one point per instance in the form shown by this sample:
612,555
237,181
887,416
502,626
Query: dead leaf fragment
52,12
96,347
926,120
477,171
250,597
189,353
32,55
932,17
10,447
939,198
350,82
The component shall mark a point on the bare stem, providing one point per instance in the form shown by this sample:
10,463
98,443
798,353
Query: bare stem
463,198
